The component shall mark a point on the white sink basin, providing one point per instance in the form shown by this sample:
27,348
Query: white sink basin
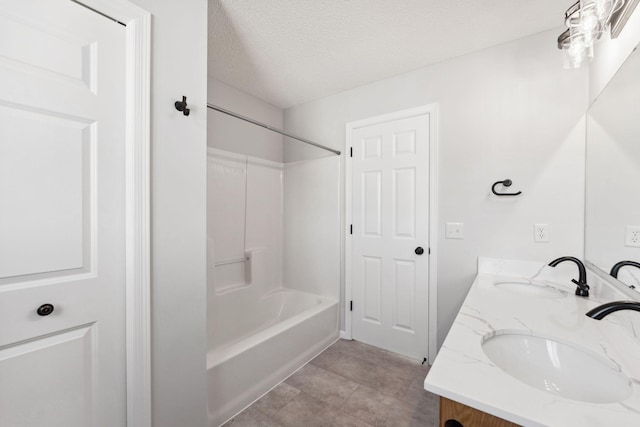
557,368
536,289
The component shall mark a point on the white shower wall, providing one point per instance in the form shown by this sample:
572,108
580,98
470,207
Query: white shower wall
264,216
292,205
227,181
244,202
312,226
283,220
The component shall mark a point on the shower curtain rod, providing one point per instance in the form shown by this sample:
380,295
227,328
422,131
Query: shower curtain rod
271,128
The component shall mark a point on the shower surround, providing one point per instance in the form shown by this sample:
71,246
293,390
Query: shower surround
273,273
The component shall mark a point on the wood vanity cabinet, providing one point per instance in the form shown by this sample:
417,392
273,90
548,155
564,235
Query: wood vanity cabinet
460,415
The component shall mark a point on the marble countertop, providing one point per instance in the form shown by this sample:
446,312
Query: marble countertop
462,372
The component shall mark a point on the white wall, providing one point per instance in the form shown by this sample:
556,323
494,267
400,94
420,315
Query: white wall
231,134
611,53
178,173
312,226
510,111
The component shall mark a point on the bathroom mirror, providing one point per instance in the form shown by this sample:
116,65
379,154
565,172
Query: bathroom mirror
612,216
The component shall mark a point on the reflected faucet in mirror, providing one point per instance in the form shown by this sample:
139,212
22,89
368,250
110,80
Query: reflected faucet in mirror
583,289
616,268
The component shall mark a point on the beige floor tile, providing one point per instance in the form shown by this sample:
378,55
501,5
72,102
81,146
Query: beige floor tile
331,388
327,358
273,401
251,417
406,416
371,374
337,418
369,405
354,348
418,381
302,376
421,399
404,367
350,384
302,411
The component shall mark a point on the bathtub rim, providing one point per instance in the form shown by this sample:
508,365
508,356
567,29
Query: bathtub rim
222,354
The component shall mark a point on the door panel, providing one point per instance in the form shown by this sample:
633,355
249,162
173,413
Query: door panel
372,276
404,295
404,198
65,394
372,184
62,216
390,212
36,145
43,49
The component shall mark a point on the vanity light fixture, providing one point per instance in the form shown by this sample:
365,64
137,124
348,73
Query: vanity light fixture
586,21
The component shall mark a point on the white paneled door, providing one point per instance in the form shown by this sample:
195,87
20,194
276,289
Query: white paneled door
62,216
390,235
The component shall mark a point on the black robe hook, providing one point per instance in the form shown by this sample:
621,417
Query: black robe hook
182,106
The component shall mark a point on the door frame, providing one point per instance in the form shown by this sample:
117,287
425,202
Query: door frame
137,204
432,111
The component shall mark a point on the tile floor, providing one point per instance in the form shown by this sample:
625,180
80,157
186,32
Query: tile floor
350,384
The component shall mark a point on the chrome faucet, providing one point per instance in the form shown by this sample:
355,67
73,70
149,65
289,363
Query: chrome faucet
619,265
603,310
583,289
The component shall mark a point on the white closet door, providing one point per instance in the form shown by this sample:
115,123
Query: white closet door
62,216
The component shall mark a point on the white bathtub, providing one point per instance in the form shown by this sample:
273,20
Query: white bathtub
256,342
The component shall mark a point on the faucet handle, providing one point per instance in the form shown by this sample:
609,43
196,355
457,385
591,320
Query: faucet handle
582,290
581,284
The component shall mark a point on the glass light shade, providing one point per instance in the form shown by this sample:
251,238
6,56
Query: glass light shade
603,9
584,21
577,51
589,25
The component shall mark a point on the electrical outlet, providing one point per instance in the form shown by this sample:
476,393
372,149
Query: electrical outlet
454,230
541,232
632,236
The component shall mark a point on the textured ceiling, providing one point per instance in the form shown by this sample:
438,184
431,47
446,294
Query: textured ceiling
287,52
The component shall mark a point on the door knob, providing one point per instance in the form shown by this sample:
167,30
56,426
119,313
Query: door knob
419,250
45,310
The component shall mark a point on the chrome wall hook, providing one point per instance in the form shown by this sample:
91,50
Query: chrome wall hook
182,106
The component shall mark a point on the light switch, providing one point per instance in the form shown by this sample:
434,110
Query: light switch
454,230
